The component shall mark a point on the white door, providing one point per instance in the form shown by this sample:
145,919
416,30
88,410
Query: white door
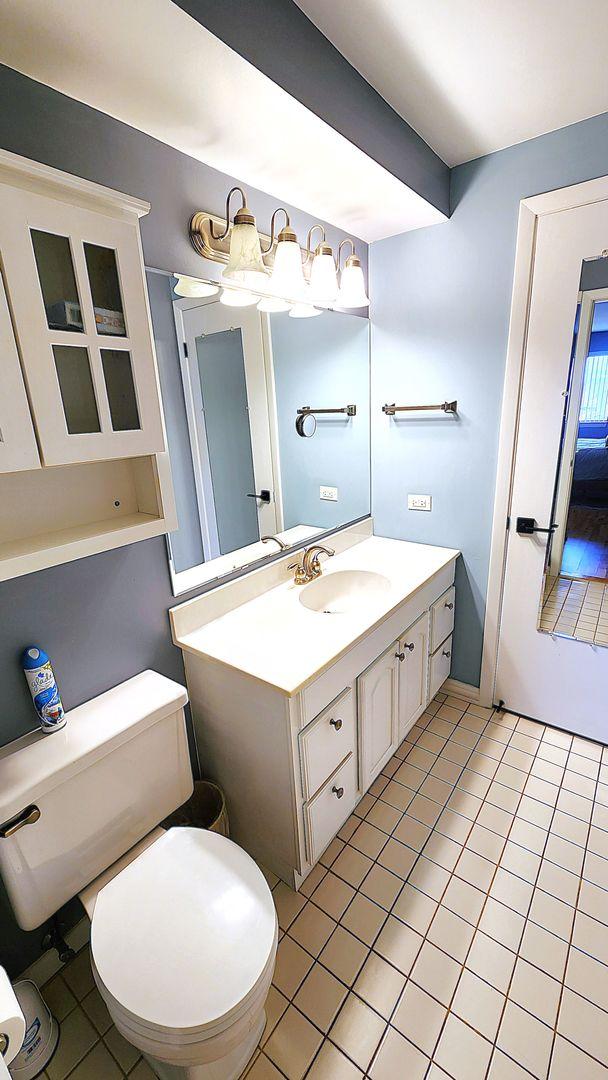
378,694
231,443
18,448
75,283
412,652
555,679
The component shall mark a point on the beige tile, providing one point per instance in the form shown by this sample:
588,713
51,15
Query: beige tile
96,1010
313,880
410,776
564,853
333,895
292,965
383,816
320,997
479,1004
398,1058
544,949
368,839
364,919
411,832
59,997
535,991
312,928
344,955
398,944
462,1051
502,923
331,852
288,904
486,843
537,813
379,984
504,1068
473,868
558,882
124,1052
415,908
275,1006
491,961
436,973
365,804
293,1044
424,810
453,825
349,828
429,878
78,974
271,877
518,860
443,851
464,900
262,1069
584,1024
397,795
142,1071
381,886
552,914
357,1031
512,890
529,836
419,1017
397,858
592,901
568,1062
451,933
98,1064
352,866
331,1064
526,1039
76,1037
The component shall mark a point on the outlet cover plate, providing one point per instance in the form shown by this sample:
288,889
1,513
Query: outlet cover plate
419,502
329,494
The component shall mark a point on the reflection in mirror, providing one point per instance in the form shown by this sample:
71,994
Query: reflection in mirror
575,595
232,381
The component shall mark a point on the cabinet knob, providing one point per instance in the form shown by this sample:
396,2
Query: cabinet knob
447,652
337,724
338,791
400,656
410,647
449,606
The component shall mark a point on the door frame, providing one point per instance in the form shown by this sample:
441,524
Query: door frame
530,212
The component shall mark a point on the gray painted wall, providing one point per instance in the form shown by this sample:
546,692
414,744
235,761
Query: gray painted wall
278,39
441,299
104,618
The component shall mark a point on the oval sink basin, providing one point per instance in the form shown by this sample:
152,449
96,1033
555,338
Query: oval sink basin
344,591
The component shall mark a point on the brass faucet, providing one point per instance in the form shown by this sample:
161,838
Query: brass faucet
310,567
282,545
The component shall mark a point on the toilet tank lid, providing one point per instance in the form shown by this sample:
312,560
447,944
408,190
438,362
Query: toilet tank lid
36,763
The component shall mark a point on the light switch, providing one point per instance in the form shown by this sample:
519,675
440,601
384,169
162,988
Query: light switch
419,502
329,494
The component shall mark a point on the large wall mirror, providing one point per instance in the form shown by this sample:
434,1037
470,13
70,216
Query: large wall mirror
575,596
268,427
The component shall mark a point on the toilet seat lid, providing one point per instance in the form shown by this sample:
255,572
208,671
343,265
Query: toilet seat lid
183,934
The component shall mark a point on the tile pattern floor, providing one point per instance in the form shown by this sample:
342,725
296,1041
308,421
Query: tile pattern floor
577,609
457,927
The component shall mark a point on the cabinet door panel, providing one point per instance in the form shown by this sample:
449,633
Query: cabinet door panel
378,712
18,449
75,281
413,647
441,664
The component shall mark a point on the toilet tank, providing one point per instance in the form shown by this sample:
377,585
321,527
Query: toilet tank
89,791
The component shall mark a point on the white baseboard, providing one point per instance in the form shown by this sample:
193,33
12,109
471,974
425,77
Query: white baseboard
49,963
461,689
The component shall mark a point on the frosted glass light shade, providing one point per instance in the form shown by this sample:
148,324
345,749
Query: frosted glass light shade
273,303
304,311
352,292
237,298
189,286
245,264
323,279
287,276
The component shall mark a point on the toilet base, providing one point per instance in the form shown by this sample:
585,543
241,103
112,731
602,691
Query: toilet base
229,1067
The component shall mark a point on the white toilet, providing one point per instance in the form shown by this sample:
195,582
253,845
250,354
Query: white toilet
183,925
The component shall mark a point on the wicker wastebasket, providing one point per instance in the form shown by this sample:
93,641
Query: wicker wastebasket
205,809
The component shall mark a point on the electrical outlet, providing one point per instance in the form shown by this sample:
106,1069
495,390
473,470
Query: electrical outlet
419,502
329,494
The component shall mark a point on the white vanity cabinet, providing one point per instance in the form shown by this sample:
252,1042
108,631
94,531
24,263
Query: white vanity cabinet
78,386
295,763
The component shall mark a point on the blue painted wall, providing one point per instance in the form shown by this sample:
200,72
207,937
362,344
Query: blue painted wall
440,311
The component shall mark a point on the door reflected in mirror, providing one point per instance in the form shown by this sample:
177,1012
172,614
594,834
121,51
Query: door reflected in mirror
575,594
232,381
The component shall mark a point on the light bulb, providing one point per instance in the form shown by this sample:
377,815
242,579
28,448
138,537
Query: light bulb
323,276
245,264
287,276
237,298
189,286
273,303
304,311
352,285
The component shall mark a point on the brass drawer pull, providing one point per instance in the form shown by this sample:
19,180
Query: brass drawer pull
25,817
447,652
449,606
410,647
337,724
337,791
400,656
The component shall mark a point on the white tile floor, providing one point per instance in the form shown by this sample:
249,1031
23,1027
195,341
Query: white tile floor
577,609
458,927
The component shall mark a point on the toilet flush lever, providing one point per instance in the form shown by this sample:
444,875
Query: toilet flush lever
24,817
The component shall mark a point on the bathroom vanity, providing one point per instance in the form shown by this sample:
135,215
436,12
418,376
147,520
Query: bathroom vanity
300,694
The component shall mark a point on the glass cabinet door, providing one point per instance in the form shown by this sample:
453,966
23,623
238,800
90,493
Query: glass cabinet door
76,284
18,449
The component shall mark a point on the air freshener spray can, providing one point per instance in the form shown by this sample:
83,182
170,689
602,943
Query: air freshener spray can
43,688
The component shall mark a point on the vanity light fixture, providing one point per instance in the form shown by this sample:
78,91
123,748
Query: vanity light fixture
273,304
237,298
304,311
287,278
351,293
245,266
189,286
323,272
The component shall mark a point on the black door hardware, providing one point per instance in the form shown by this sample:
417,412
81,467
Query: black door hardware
527,527
264,495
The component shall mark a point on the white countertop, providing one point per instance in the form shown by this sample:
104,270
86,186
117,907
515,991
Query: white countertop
278,641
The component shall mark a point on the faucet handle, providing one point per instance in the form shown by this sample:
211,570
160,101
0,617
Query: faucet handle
300,576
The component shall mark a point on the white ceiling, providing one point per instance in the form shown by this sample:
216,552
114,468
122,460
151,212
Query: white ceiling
149,64
473,76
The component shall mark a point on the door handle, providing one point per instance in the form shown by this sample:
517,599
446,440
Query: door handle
526,526
263,496
25,817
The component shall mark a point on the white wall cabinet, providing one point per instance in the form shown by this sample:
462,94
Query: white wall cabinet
78,381
294,768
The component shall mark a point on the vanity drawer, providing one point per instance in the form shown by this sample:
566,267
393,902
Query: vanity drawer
442,618
327,741
331,806
441,664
